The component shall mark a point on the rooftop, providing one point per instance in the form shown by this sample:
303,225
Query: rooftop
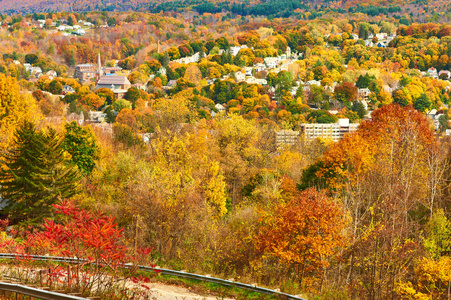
85,65
113,79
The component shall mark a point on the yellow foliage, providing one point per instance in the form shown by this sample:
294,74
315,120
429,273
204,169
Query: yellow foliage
15,107
215,190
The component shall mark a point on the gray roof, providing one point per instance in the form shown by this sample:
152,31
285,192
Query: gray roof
116,80
85,65
112,68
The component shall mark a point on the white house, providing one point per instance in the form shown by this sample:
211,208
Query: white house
162,71
79,32
189,59
432,72
253,80
240,76
220,108
234,50
35,70
364,93
67,89
271,62
381,36
313,82
259,67
248,71
444,73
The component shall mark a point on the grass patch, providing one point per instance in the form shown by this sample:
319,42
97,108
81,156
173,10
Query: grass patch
210,288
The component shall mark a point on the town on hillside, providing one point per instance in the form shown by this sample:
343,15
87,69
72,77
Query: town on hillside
298,149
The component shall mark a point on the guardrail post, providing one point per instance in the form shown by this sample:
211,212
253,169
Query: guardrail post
19,296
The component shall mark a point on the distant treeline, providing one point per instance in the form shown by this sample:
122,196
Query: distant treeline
272,8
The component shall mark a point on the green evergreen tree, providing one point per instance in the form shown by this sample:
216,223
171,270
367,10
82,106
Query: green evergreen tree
165,60
81,144
35,174
359,108
422,103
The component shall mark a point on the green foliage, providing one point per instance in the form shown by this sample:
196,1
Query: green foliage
31,59
443,121
309,178
437,242
132,94
283,83
55,87
364,81
422,103
81,144
36,174
359,108
121,104
321,116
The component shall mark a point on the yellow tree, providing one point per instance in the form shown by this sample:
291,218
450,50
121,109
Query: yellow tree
15,107
193,74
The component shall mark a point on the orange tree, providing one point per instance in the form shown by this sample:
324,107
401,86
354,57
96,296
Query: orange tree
304,232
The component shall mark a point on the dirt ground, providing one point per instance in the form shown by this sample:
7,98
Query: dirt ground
169,292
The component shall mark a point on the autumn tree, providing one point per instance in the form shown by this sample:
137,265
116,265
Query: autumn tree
92,100
15,107
345,93
193,74
381,174
55,87
304,232
107,94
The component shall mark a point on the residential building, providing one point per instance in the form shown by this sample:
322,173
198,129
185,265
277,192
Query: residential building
248,71
67,89
51,74
96,116
288,52
117,84
444,74
85,72
234,50
381,36
333,131
240,76
220,108
253,80
79,118
111,70
259,67
363,94
79,32
271,62
286,137
432,72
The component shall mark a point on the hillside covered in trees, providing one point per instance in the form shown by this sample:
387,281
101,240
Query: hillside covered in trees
305,9
191,138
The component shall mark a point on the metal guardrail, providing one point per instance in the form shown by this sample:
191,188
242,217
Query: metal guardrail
165,272
36,293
